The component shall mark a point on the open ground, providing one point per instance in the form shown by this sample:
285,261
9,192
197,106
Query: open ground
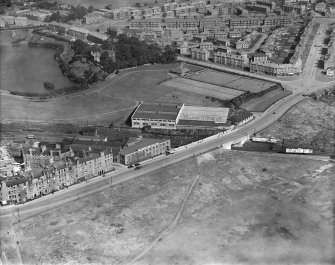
232,81
224,207
310,121
111,101
260,104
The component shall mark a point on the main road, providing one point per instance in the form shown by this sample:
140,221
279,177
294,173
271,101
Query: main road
260,122
124,174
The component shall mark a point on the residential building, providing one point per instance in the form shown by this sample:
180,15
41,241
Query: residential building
321,7
20,21
259,57
200,54
79,33
185,10
277,21
330,71
206,45
149,23
170,6
96,37
246,22
140,149
176,23
63,173
43,155
58,27
39,15
156,115
2,23
229,59
94,17
243,44
270,68
8,20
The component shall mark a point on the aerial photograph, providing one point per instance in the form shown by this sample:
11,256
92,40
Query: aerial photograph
167,132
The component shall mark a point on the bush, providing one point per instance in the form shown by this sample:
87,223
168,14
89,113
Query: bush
49,85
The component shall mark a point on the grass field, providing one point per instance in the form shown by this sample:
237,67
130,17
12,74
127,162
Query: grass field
309,121
260,104
83,107
111,101
232,81
202,88
246,208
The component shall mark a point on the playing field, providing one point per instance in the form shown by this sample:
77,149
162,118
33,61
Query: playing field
110,101
232,81
202,88
260,104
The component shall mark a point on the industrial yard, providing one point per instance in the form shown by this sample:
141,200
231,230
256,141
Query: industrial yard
245,208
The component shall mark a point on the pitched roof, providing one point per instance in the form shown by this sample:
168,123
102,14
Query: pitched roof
144,142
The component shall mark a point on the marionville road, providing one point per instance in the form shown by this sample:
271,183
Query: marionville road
123,174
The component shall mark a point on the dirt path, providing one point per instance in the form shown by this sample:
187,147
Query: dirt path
173,224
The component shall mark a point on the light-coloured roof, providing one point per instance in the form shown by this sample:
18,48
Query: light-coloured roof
218,115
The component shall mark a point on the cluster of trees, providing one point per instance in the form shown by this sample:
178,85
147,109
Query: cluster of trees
76,12
130,51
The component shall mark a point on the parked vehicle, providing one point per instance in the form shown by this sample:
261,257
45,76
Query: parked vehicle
137,164
130,166
138,167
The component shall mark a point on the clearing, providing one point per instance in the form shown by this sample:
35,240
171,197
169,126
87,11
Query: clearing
260,104
110,101
245,208
309,121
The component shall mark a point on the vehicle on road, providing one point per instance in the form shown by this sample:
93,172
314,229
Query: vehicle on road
138,167
130,166
137,164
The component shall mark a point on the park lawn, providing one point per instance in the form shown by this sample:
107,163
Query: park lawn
260,104
250,207
80,107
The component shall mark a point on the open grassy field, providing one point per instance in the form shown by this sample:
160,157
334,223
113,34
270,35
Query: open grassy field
111,101
79,108
232,81
202,88
260,104
246,208
309,121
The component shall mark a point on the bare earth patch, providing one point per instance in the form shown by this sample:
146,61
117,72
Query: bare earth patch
246,208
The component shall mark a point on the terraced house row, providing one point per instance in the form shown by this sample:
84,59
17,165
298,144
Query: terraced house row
55,176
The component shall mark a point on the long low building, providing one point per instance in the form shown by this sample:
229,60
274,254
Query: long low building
204,117
156,115
173,116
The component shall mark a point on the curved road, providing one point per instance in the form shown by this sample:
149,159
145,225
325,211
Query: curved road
123,174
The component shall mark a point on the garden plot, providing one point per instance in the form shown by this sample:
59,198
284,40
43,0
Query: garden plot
202,88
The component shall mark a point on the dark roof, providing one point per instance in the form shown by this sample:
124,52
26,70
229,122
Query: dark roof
240,116
202,123
144,142
157,111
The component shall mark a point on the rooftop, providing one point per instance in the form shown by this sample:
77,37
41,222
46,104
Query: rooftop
157,111
142,143
217,115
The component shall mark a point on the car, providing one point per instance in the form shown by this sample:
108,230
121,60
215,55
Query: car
138,167
137,164
130,166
